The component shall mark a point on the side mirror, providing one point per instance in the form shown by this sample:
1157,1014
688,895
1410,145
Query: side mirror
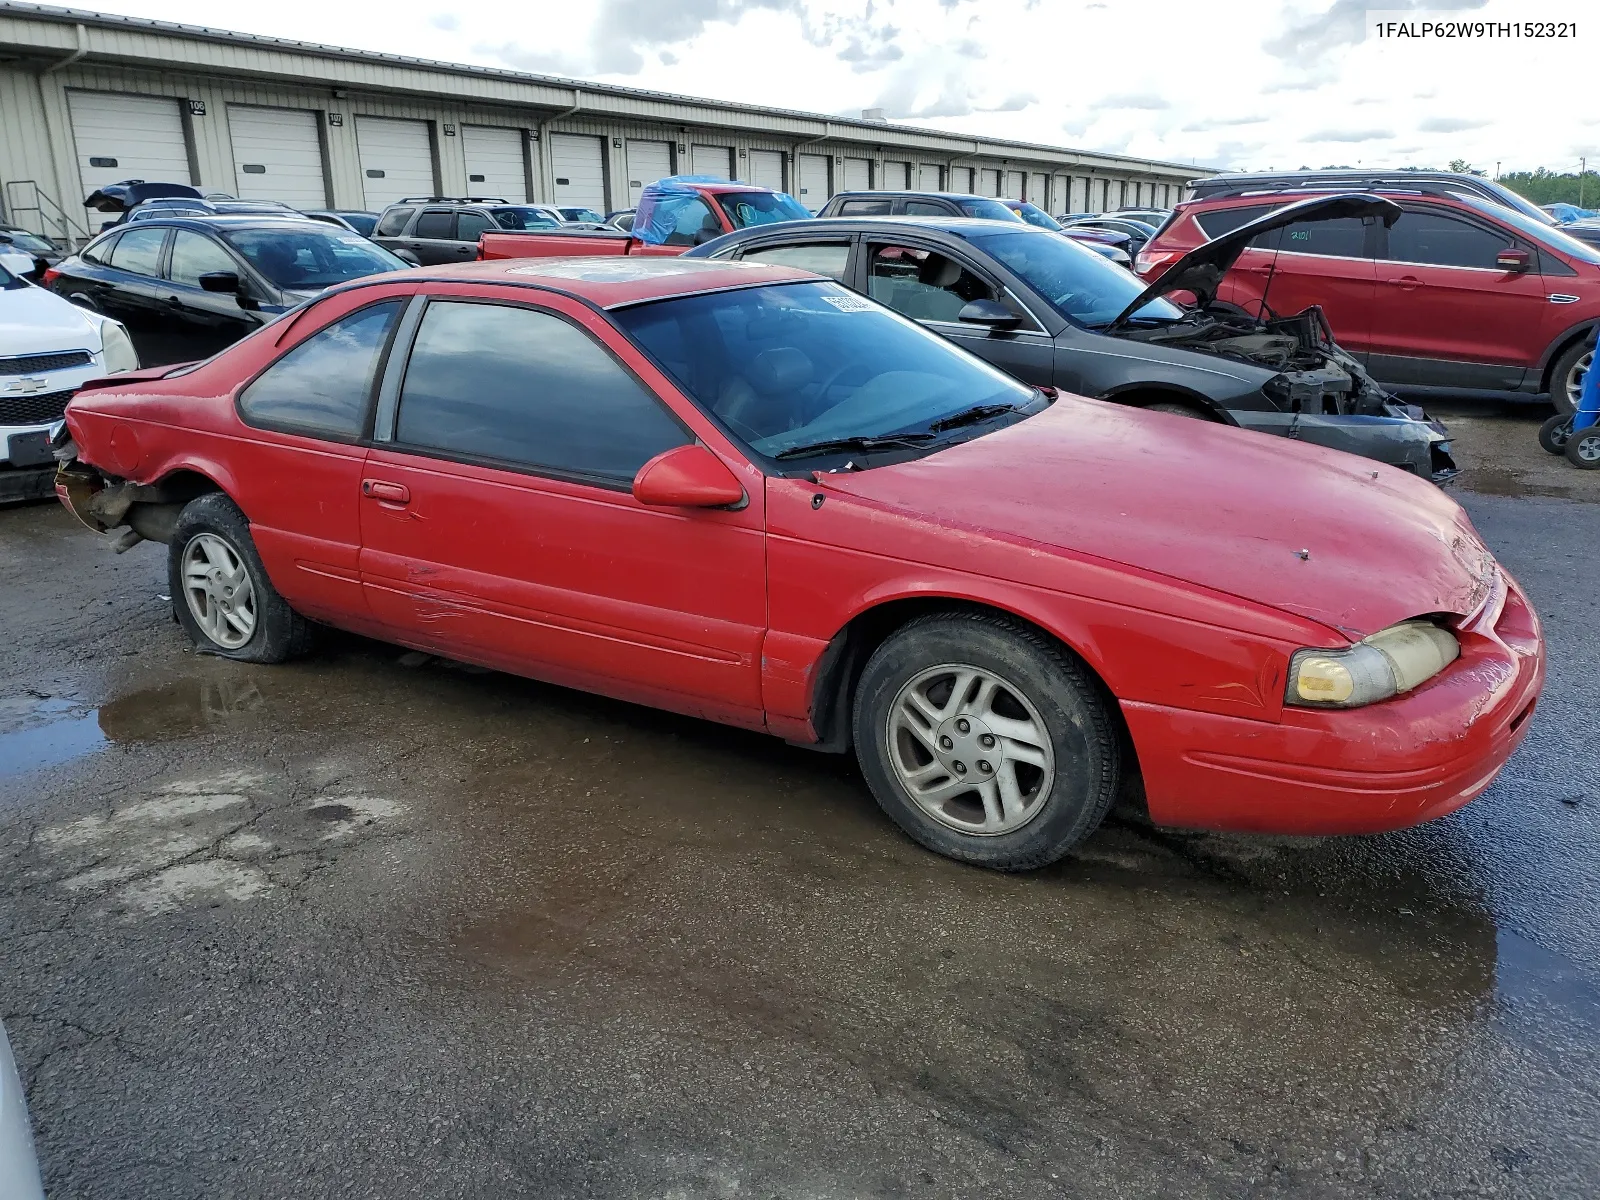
1514,259
407,257
989,312
226,282
687,477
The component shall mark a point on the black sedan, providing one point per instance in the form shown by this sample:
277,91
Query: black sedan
186,287
16,241
1053,313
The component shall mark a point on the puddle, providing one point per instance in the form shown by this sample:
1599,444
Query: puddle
60,737
1528,974
180,708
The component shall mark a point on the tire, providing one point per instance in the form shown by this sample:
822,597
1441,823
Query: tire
1583,448
1059,752
1179,410
232,609
1567,373
1553,434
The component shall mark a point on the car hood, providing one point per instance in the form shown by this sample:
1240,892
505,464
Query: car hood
1226,509
34,321
1201,270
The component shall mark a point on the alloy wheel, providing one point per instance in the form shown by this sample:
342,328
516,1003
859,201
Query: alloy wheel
1575,380
217,588
970,749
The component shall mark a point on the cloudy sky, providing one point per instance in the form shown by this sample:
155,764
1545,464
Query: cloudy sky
1245,84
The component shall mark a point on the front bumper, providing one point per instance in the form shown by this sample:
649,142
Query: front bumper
1363,770
1421,447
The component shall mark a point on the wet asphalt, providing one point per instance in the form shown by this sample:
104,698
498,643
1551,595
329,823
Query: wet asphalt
377,925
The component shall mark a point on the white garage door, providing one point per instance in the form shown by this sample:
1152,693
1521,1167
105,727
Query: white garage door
814,191
496,165
277,156
1037,185
857,174
766,169
988,182
647,162
711,160
396,160
896,175
960,179
930,177
580,170
126,137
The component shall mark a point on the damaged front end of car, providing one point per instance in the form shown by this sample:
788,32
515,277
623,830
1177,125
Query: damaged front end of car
1318,393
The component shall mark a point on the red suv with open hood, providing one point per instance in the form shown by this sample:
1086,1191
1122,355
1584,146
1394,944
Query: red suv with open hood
1459,294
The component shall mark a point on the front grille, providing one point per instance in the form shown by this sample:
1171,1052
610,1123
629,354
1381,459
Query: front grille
32,364
33,410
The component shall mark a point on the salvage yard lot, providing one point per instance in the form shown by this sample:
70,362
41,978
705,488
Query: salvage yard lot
379,925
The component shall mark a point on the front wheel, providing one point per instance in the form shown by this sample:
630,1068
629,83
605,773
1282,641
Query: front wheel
1583,448
985,741
220,591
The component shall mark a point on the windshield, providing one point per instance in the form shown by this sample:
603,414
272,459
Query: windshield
1078,283
583,214
762,208
991,209
523,218
791,365
8,281
310,257
1034,215
23,240
362,222
1538,231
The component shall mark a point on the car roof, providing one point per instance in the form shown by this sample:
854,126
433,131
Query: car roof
609,281
915,192
256,220
1277,198
960,226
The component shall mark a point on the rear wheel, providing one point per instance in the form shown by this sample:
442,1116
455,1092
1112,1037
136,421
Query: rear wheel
1566,377
220,591
1583,448
985,741
1553,434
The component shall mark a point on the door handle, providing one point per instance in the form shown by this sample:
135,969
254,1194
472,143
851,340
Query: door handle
386,493
1406,283
174,302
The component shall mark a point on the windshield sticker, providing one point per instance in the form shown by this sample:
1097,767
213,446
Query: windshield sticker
849,303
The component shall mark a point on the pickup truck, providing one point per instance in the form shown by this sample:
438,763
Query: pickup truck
673,215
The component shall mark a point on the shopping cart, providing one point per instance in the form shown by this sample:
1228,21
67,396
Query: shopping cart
1578,436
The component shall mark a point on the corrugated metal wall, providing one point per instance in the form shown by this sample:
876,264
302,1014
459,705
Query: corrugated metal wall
36,141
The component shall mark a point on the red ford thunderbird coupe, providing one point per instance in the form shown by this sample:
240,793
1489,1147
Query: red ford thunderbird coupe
746,493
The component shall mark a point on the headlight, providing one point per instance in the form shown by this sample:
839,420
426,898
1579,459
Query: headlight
116,348
1389,663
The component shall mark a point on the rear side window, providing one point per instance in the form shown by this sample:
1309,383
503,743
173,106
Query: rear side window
1433,239
435,223
925,208
321,387
99,251
470,225
138,251
864,208
392,222
1225,220
824,259
1345,237
515,385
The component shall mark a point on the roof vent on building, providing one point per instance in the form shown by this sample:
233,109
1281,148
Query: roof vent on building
874,114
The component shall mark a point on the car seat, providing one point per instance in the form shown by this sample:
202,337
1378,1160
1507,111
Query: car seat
767,398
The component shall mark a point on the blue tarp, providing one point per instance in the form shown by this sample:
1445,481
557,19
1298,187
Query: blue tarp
1566,213
671,211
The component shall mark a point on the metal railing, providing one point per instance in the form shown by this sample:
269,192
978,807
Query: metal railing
24,196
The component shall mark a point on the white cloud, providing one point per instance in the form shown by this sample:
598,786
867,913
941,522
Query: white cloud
1170,82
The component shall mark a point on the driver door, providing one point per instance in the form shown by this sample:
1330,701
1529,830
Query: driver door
932,286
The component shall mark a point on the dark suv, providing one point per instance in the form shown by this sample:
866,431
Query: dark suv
445,229
916,204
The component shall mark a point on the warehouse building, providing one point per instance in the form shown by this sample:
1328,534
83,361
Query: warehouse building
88,99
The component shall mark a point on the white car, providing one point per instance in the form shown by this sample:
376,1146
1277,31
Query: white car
19,1170
49,348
